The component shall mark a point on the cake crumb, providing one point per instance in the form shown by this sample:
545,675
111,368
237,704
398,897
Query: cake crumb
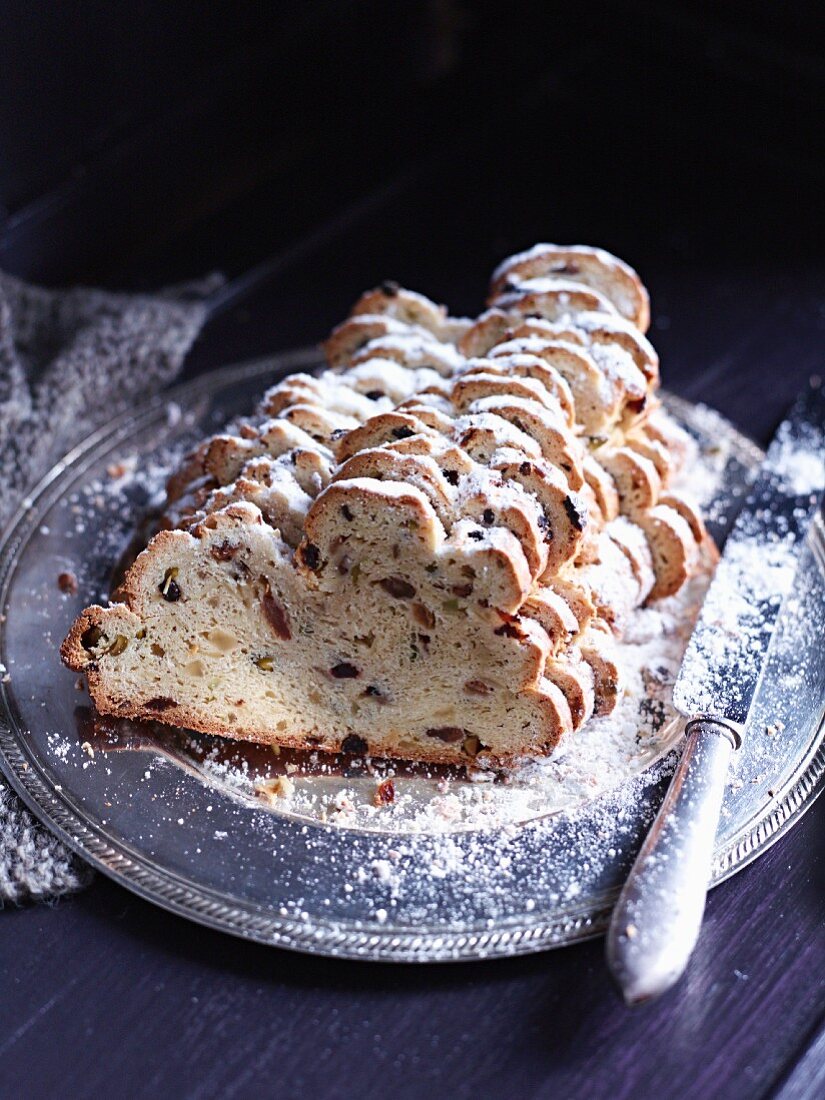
271,790
67,582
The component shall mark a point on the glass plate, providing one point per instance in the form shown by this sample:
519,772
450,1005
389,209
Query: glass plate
176,817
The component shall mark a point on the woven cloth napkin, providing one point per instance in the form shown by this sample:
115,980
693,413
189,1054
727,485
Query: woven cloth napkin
70,360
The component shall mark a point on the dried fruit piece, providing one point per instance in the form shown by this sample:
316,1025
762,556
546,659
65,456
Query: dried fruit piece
311,556
447,733
67,582
90,638
472,745
355,745
275,614
168,587
384,793
577,518
118,646
398,588
423,616
161,702
344,671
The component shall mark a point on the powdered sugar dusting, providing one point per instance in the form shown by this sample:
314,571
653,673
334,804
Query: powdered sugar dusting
725,657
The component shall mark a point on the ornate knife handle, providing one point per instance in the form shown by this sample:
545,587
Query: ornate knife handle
657,918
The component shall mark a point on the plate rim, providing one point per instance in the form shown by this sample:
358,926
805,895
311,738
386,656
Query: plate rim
336,938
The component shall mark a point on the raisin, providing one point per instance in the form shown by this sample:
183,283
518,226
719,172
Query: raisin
355,745
526,468
275,614
510,630
169,587
447,733
390,287
477,687
312,556
451,476
462,590
477,535
90,638
344,671
373,691
488,517
573,514
346,512
67,582
402,433
375,395
423,616
171,591
384,793
161,702
398,588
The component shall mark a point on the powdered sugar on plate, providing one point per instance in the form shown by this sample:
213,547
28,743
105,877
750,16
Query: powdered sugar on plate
313,852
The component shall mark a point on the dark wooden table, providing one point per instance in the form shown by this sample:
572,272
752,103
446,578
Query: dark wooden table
720,209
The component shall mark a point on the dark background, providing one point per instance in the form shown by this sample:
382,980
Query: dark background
309,150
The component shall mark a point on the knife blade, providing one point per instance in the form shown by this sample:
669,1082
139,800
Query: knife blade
657,918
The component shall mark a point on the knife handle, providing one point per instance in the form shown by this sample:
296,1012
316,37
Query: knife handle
657,918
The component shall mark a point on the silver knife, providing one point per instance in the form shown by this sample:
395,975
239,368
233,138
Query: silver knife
656,921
